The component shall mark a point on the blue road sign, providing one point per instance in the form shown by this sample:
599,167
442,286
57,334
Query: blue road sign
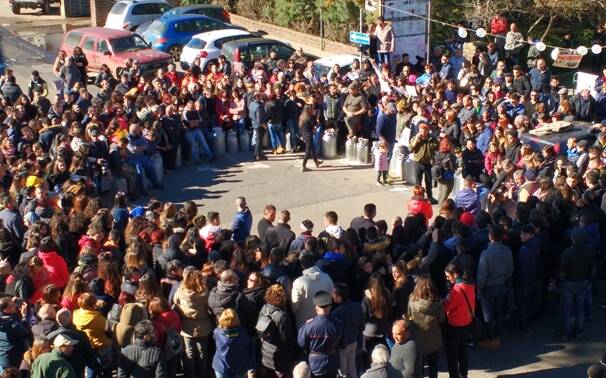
359,38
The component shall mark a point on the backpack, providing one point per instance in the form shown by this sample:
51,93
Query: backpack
174,344
267,325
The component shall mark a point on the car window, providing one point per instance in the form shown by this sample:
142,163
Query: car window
184,26
284,52
221,41
162,8
144,9
102,46
89,44
156,28
73,39
118,8
258,52
206,25
131,43
196,43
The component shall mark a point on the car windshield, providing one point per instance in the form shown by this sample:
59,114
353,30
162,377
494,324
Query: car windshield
156,28
321,69
132,43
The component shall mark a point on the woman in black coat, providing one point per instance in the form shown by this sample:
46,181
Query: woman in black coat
307,127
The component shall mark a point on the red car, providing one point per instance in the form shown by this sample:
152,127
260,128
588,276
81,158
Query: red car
113,47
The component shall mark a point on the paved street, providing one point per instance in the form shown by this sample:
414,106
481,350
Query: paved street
30,42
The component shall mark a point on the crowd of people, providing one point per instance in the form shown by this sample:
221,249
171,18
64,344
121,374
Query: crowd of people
93,287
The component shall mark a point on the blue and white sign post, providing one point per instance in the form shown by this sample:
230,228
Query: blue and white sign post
359,38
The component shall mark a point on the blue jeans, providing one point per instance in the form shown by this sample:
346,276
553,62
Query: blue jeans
240,125
317,139
276,135
572,295
383,58
493,305
197,141
219,375
144,166
293,129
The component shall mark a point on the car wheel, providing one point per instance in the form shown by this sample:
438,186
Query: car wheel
175,51
16,9
46,8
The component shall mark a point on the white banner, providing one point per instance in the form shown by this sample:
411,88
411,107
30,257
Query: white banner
410,31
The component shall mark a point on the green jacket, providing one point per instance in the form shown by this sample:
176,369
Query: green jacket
423,150
52,364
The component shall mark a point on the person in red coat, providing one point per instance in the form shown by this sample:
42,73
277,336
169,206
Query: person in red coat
418,203
459,305
164,319
58,274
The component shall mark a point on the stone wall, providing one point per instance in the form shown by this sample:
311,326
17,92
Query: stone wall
294,37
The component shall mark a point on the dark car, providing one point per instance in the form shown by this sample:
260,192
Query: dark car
215,11
252,49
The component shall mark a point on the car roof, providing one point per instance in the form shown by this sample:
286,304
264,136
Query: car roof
186,8
216,34
131,2
103,32
244,41
185,17
341,60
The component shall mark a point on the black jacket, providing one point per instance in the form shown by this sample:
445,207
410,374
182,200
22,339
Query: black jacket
278,345
229,296
141,360
279,236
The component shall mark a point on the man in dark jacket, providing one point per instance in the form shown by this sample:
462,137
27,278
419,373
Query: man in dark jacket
577,267
513,147
307,227
386,124
584,106
521,84
335,263
142,359
242,221
281,235
13,333
265,223
82,356
258,120
350,314
227,294
11,89
473,160
526,274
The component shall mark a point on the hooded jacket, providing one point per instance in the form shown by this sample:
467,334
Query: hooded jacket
83,355
132,313
382,370
468,199
229,296
426,317
303,290
57,268
416,206
92,323
193,308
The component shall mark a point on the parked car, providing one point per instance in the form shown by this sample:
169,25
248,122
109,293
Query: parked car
170,33
215,11
129,14
324,65
113,47
248,50
44,5
207,46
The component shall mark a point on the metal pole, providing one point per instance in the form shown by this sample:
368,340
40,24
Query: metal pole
361,31
428,30
321,29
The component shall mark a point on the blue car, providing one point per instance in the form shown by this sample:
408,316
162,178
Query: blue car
170,33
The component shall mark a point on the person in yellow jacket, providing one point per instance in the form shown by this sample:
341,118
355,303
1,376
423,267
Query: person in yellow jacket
88,319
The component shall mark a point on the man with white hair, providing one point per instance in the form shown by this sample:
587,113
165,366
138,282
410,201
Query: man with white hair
380,366
584,106
301,370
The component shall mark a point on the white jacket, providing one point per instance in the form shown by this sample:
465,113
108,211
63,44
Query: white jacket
303,290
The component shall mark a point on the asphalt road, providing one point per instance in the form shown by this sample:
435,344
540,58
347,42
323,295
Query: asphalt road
30,42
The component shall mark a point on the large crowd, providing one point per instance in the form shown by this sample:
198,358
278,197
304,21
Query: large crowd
93,287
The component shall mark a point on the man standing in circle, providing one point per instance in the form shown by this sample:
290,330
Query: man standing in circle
320,337
423,148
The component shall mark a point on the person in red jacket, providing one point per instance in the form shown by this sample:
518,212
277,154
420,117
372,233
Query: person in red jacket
55,264
164,319
499,26
419,204
459,304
